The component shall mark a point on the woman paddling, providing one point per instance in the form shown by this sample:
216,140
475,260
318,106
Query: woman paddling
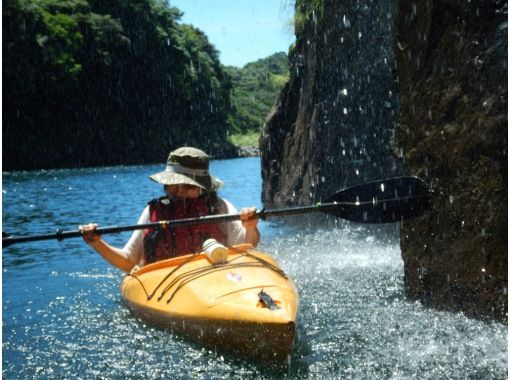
190,192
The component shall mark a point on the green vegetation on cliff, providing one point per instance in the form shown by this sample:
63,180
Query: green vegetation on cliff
94,83
90,83
255,89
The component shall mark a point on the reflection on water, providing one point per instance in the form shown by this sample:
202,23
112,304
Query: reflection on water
63,318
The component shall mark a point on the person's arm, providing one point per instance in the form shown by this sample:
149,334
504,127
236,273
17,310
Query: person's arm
114,256
238,232
249,220
124,259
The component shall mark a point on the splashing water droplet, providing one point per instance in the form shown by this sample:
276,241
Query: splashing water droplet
346,22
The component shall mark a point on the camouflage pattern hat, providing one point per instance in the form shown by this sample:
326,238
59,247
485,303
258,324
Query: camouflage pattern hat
189,166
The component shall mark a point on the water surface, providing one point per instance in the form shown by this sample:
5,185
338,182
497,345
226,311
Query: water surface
63,316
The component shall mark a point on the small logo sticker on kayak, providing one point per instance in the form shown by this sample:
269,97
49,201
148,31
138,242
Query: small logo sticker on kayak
234,277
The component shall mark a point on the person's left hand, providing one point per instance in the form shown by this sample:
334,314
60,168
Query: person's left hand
249,217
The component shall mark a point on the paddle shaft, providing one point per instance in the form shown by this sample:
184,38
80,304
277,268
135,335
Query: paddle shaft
384,201
262,214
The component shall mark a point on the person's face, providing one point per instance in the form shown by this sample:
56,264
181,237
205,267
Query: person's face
183,191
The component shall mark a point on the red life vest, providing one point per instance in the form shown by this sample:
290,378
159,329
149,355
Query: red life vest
164,243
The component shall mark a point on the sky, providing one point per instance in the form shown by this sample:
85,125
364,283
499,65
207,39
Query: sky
242,30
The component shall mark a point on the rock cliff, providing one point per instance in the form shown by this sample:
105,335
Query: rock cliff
427,80
452,128
334,122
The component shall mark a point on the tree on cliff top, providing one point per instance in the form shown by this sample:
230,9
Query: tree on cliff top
255,89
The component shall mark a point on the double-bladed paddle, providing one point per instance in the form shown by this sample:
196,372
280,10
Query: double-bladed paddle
384,201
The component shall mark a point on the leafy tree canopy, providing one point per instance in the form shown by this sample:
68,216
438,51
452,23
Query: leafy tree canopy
92,83
255,89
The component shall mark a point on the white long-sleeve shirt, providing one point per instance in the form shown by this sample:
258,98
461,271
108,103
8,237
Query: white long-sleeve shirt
234,231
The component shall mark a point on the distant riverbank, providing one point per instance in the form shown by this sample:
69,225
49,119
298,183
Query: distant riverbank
248,151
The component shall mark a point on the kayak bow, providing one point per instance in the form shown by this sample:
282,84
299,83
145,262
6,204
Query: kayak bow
246,306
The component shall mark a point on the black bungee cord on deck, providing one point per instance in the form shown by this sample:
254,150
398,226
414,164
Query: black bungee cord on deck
189,276
185,278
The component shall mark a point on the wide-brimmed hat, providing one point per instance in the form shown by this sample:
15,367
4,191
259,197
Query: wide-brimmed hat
189,166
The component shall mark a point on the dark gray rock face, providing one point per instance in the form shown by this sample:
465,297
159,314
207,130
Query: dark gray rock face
427,79
452,128
334,122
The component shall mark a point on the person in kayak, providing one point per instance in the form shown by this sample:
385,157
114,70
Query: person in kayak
190,192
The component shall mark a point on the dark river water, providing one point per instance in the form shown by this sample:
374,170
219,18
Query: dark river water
63,317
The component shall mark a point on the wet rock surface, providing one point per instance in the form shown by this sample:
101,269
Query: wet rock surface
334,122
452,127
339,114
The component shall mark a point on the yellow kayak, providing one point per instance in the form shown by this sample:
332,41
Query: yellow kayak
246,306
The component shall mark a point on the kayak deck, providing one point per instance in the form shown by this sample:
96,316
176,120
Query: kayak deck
246,306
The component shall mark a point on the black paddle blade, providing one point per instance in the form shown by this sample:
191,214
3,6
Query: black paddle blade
383,201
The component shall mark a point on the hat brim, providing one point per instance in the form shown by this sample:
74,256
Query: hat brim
209,182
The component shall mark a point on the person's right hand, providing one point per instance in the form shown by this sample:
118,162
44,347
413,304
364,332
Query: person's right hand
89,234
